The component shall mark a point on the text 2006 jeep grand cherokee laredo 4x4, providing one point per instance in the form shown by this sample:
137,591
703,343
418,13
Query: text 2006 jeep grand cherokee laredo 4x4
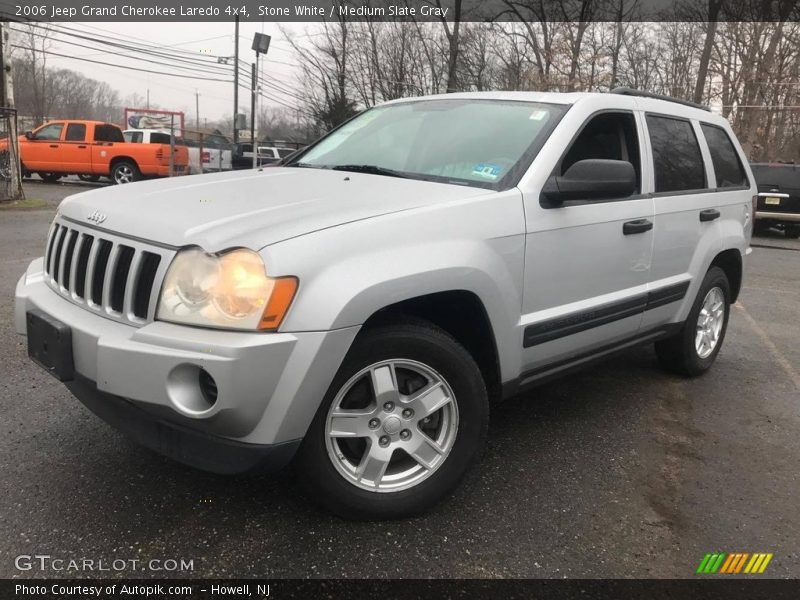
357,310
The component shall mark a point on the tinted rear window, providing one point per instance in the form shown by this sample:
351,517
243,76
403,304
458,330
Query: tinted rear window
727,166
159,138
678,163
108,133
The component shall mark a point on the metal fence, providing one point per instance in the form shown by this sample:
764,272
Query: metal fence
10,176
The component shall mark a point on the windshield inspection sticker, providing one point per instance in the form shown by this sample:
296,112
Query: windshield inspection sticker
487,171
538,115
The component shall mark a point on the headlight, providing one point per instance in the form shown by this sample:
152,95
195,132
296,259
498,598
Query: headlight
230,290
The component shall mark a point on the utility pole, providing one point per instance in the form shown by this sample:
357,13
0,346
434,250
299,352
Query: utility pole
254,80
236,79
196,109
2,65
260,46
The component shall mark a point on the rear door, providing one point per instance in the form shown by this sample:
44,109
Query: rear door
686,215
75,150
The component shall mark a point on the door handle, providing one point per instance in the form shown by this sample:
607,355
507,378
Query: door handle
54,145
81,145
637,226
709,214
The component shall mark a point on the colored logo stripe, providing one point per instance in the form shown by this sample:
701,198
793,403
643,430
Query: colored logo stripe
735,562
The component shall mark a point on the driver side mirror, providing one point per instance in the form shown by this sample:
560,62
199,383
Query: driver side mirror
29,135
591,179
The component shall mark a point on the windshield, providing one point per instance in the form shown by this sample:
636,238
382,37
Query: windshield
482,143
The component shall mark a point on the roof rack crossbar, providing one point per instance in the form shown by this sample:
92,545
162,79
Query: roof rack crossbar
626,91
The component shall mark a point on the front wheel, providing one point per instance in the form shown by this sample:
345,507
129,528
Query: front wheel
404,419
693,350
50,177
125,171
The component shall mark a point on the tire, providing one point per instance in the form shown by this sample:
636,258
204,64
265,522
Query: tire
89,178
418,353
125,171
683,353
50,177
792,231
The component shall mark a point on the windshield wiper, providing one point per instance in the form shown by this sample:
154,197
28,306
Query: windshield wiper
370,169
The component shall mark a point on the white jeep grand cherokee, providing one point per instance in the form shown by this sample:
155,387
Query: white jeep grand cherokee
356,310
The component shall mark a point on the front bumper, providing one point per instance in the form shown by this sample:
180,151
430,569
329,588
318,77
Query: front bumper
269,385
181,443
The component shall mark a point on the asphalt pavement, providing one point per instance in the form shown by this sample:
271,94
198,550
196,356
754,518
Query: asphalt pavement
619,471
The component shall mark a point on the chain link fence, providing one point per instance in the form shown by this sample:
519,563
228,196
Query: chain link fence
10,176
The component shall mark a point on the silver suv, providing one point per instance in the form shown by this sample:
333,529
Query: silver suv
356,311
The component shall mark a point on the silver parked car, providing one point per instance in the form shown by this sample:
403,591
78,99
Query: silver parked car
357,310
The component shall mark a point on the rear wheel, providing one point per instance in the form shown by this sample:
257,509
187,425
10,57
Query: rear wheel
125,171
403,420
693,350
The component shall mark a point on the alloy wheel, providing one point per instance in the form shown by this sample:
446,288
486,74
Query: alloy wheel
391,425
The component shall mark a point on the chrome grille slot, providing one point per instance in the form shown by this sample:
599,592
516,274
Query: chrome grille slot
59,244
82,263
119,278
99,274
66,266
111,275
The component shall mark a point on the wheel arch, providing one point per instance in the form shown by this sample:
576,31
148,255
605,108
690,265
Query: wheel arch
462,314
730,261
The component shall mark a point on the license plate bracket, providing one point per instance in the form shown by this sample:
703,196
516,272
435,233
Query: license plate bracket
50,344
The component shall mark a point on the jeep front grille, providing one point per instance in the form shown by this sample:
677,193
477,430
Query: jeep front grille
115,276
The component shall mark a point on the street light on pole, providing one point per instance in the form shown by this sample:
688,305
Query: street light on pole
260,45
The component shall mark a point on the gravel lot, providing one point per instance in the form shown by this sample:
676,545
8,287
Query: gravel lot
619,471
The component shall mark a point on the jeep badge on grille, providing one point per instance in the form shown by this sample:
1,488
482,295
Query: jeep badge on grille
96,217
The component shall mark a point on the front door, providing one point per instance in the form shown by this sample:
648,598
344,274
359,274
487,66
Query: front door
587,263
42,153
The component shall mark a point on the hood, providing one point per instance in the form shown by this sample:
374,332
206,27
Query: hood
252,208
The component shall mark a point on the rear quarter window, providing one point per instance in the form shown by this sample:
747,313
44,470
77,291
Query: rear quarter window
108,133
677,161
727,166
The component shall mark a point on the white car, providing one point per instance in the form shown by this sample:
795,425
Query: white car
207,159
358,309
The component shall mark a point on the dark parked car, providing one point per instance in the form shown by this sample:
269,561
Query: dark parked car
778,197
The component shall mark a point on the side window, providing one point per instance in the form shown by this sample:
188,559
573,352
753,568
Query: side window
133,137
50,132
610,136
107,133
677,161
159,138
76,132
727,166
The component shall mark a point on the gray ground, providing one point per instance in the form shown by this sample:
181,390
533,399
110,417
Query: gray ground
619,471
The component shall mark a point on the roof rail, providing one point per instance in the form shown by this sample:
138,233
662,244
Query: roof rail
626,91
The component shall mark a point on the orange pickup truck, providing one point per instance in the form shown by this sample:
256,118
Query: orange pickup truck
91,149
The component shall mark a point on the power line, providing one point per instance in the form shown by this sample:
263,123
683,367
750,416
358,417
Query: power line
98,62
137,58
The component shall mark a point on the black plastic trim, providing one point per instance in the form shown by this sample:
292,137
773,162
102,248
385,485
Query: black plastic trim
559,327
180,443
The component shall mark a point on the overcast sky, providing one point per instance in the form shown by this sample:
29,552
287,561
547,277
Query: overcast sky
174,93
